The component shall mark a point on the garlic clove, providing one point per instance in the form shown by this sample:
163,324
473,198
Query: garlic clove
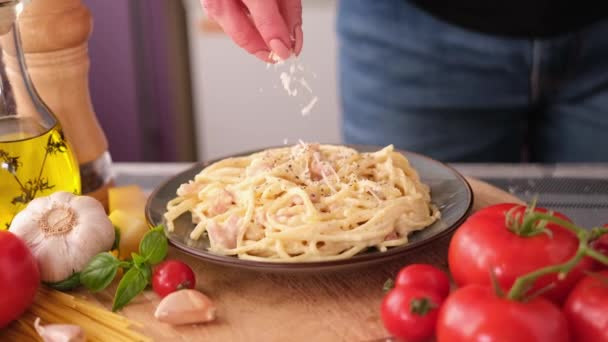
185,307
59,332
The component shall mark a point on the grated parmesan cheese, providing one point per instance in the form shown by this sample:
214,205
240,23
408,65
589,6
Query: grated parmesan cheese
323,175
306,110
286,80
305,85
292,80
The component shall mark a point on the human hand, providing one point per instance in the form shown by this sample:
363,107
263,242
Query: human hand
260,26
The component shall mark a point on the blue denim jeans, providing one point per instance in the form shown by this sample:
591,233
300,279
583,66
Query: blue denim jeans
424,85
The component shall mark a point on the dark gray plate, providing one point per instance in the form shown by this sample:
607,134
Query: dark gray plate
449,191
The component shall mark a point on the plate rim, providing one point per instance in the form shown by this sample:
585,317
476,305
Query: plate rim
362,259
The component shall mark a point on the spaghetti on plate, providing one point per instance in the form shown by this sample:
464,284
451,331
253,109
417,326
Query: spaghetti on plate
308,202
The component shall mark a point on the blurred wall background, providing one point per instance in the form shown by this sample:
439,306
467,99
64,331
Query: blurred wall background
140,79
168,85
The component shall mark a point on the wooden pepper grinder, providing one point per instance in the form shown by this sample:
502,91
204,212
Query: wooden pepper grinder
55,37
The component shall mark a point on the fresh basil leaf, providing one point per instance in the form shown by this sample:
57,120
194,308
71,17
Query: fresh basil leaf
100,272
131,285
70,283
138,260
116,238
147,270
153,246
158,228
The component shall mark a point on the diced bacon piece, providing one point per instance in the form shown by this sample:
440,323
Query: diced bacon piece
320,169
392,236
314,198
222,203
297,200
225,234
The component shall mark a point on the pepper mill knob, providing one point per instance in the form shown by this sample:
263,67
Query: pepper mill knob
55,35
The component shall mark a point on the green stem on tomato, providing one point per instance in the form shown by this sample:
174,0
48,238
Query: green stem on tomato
389,284
535,217
592,253
421,306
596,232
581,233
525,282
541,291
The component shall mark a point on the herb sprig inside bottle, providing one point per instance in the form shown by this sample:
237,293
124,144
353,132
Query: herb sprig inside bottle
103,268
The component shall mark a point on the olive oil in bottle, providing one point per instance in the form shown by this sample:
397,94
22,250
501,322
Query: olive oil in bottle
35,158
34,162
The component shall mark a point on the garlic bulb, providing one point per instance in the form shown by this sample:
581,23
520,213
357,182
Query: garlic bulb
63,232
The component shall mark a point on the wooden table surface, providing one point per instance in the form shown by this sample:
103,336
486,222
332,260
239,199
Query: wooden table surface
269,307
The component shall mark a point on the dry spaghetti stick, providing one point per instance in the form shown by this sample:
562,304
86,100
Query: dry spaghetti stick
56,316
20,331
57,307
72,304
110,321
89,326
83,306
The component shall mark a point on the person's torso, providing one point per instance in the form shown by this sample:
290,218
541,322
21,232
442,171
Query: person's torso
520,18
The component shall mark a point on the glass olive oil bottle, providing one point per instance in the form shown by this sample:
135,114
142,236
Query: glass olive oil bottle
34,162
35,158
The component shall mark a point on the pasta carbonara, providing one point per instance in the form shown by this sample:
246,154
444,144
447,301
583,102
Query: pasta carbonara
308,202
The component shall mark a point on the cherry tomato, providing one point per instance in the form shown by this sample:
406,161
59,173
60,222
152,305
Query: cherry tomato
19,277
483,244
476,313
172,275
426,277
410,313
587,308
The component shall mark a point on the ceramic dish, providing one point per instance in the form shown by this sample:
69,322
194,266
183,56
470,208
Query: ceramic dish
449,191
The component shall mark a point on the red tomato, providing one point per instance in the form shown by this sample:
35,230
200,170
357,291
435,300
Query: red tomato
601,245
172,275
475,313
426,277
483,244
587,308
410,313
19,277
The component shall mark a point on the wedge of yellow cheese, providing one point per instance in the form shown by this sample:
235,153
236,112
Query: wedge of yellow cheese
130,199
132,229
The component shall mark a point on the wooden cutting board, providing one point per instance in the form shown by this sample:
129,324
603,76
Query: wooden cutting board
266,307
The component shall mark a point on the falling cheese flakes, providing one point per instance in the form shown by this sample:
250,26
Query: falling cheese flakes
306,110
293,79
286,80
305,85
